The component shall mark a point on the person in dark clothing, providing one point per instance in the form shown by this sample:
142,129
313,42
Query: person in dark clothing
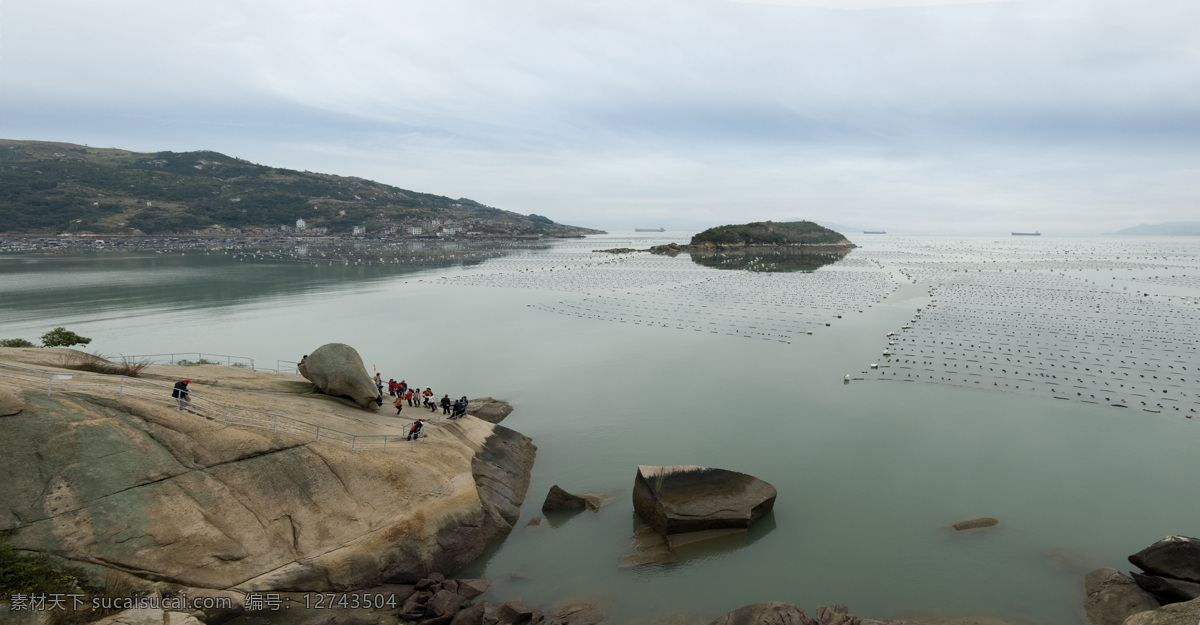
446,403
181,394
460,408
415,430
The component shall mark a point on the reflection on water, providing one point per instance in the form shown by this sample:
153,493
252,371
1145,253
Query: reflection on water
37,284
765,259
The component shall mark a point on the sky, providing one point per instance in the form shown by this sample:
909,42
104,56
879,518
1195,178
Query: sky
1060,116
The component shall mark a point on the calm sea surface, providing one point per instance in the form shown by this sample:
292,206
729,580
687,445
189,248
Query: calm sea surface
1083,449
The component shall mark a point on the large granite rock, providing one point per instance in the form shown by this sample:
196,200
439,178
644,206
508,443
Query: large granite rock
338,370
1174,556
679,499
1174,614
488,409
127,485
1113,597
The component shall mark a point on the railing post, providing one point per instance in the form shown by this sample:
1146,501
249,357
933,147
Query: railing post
49,383
121,390
226,415
318,434
353,442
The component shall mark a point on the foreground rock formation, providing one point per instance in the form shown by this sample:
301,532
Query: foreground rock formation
778,613
1171,578
1172,569
338,370
681,499
119,484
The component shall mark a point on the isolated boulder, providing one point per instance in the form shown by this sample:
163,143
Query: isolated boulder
338,370
488,409
1177,557
559,500
767,613
679,499
1113,597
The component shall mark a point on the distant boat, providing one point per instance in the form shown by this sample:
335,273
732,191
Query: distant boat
1027,234
649,229
874,232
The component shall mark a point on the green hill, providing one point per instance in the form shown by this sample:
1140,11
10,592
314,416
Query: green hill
57,188
770,233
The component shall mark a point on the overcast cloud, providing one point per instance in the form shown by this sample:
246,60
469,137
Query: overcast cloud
1064,116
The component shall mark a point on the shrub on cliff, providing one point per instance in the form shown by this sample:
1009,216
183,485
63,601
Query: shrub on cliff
62,337
15,343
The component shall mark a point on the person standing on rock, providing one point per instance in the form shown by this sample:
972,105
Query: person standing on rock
408,395
379,383
181,394
415,430
446,403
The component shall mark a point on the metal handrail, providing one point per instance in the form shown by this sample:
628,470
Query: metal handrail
99,383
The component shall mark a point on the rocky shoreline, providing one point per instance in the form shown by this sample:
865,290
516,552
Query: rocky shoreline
199,508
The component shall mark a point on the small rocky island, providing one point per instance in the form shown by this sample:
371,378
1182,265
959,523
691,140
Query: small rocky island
792,234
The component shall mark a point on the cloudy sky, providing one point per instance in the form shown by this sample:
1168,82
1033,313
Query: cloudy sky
1064,116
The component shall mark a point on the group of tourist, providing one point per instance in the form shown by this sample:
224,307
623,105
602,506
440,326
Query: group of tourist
414,396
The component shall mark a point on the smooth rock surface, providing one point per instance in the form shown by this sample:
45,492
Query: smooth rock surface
679,499
1173,556
338,370
1174,614
11,401
164,495
1113,597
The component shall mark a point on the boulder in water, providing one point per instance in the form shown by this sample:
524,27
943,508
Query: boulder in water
338,370
767,613
679,499
559,500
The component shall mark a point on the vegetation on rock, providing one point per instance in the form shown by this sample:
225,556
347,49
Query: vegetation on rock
62,337
57,188
770,233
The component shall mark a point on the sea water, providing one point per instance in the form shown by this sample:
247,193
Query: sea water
618,360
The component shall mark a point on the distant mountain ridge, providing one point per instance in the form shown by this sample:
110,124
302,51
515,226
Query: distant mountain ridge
52,188
1167,229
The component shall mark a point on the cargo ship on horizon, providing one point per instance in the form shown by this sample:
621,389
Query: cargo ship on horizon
874,231
649,229
1027,234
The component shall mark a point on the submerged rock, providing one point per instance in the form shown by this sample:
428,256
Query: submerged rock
338,370
972,524
679,499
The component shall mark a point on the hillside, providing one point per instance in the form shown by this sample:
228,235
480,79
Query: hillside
1165,229
53,188
770,233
